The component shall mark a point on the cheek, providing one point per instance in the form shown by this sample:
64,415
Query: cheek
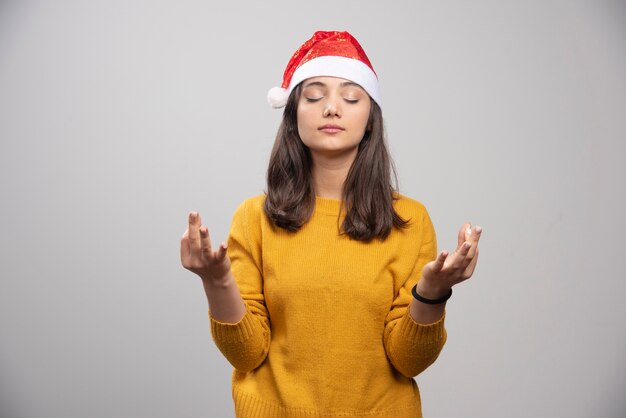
304,124
363,118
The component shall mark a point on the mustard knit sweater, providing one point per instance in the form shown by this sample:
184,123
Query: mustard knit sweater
327,330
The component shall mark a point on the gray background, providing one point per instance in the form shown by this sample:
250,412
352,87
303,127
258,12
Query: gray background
119,117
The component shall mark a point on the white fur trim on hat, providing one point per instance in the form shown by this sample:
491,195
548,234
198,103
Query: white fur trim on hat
336,66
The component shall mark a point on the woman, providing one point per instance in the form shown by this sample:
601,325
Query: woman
331,295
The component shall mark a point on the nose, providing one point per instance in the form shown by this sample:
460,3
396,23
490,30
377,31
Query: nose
332,108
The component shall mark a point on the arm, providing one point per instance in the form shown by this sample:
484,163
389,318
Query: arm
413,345
225,302
245,343
436,279
233,285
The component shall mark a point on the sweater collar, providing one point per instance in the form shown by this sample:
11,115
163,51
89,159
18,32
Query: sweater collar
327,206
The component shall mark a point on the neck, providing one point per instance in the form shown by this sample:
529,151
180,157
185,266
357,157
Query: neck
330,173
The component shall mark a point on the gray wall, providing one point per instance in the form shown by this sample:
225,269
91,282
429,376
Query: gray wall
119,117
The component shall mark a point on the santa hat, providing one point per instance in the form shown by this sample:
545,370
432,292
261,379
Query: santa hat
333,54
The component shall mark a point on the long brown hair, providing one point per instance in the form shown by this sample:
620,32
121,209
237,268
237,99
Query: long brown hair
368,191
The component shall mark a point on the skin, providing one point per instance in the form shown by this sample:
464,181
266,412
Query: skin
326,100
213,267
332,100
447,270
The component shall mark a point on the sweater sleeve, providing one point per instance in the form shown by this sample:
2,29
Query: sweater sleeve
412,347
245,344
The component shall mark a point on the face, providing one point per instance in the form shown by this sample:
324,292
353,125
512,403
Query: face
332,116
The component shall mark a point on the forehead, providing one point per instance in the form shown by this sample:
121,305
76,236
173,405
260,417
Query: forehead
327,81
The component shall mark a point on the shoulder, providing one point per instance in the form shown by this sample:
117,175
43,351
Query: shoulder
409,208
251,208
253,203
415,212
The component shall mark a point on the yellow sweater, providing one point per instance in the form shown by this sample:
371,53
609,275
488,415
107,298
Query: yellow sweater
327,330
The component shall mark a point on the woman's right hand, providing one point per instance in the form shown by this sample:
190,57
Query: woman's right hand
197,255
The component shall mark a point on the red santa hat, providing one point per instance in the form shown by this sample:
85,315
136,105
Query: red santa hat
333,54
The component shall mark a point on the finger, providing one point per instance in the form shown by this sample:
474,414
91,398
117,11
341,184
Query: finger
473,239
475,236
221,251
457,261
185,237
476,233
464,249
194,232
184,247
440,261
469,270
462,235
205,241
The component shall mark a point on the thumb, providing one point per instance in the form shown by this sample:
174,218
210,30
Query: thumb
439,262
221,251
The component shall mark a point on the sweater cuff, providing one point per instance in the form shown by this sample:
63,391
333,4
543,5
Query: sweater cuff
412,330
233,332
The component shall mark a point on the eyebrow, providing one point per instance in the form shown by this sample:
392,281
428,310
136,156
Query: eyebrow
343,84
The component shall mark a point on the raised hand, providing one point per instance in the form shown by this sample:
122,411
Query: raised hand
197,255
446,270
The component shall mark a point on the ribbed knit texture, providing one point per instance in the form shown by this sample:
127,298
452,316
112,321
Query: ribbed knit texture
327,330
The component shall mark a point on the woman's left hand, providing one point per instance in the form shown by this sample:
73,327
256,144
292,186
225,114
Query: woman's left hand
446,270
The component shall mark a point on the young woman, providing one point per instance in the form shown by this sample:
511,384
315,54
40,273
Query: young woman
329,297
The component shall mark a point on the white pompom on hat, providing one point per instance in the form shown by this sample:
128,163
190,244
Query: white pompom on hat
277,97
333,54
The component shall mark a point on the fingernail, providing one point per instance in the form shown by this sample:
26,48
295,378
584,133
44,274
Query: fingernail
478,229
469,230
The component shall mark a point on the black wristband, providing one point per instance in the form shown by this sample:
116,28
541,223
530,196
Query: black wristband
430,301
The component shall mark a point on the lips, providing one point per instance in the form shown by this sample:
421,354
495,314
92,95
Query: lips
331,129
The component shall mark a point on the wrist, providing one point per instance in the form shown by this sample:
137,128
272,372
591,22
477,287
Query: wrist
431,291
217,282
429,301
